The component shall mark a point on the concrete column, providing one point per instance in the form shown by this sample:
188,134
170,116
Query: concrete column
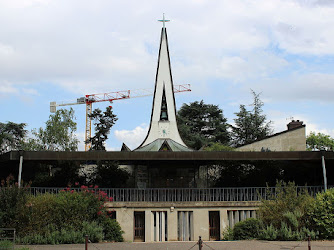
157,226
125,218
163,225
231,218
242,215
148,226
172,222
152,226
236,217
20,170
248,214
223,220
253,214
186,225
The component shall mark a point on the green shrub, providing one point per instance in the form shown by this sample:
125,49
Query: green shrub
247,229
228,234
93,230
112,230
268,233
6,244
285,232
321,214
66,210
12,199
285,205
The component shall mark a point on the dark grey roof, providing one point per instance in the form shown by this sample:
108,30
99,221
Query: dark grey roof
156,145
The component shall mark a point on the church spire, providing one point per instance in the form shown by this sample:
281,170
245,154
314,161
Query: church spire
163,126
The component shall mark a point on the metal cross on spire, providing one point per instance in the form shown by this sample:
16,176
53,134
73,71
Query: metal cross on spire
163,20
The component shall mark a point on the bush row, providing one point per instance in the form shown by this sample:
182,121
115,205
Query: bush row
58,218
289,216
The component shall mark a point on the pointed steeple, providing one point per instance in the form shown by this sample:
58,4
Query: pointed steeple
163,118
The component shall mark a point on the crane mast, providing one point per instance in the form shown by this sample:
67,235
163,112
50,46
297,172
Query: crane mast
111,96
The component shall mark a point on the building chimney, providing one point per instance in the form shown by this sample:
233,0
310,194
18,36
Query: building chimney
294,124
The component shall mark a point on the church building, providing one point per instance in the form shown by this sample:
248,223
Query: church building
162,220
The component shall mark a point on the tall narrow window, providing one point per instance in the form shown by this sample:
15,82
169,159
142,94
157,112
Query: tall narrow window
185,226
160,226
163,112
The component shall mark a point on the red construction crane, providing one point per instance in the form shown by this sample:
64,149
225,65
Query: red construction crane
110,97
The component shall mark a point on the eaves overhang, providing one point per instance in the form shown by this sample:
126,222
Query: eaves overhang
124,157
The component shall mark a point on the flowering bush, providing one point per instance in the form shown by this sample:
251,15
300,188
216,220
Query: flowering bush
70,210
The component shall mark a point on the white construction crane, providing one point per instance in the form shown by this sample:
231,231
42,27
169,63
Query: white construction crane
110,97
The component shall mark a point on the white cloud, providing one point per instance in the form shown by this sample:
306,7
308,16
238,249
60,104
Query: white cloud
132,138
222,48
7,88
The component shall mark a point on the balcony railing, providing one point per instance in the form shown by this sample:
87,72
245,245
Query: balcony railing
186,194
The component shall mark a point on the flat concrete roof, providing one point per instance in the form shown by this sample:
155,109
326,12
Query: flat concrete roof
137,157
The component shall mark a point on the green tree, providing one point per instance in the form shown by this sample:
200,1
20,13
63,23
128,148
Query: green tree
103,122
11,136
321,214
108,174
201,123
251,125
58,134
319,141
216,146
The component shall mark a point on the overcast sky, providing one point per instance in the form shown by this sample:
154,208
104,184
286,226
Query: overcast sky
59,50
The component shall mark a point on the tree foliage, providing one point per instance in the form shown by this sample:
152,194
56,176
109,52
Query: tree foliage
103,122
319,141
286,206
58,134
11,136
251,125
201,123
108,174
321,214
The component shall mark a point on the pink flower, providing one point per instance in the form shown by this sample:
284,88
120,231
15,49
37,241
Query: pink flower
96,186
72,191
90,186
77,183
111,199
99,212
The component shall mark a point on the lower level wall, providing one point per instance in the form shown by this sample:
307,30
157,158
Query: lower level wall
183,222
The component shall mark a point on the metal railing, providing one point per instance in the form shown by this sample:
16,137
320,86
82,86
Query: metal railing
185,194
8,234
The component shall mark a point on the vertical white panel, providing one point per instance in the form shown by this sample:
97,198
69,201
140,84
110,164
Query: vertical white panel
248,214
163,226
253,214
157,227
230,219
152,231
236,217
242,215
186,215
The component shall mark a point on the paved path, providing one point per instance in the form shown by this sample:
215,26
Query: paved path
212,245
